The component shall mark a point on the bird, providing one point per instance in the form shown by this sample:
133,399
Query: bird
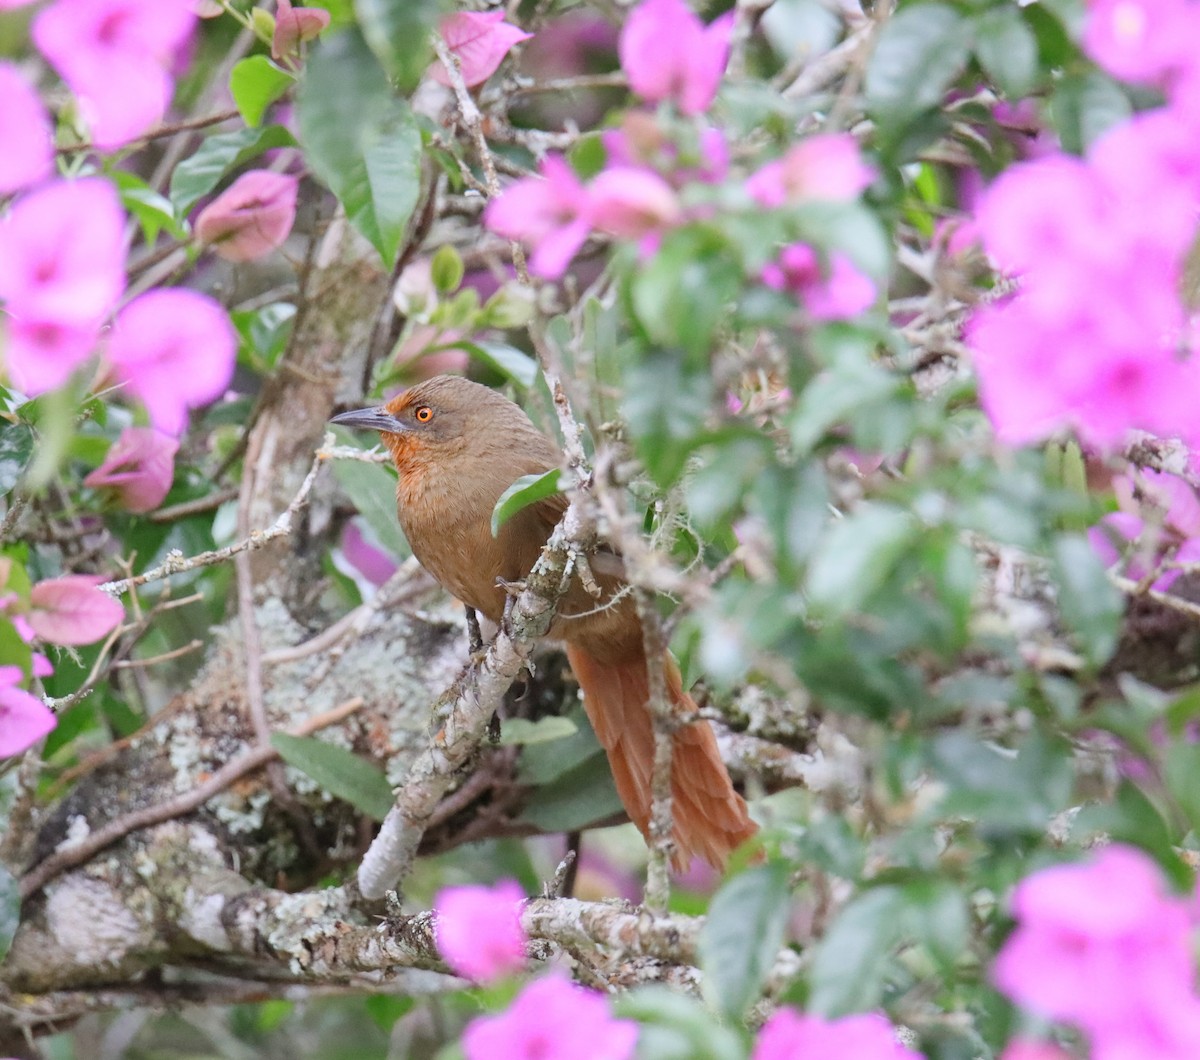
457,446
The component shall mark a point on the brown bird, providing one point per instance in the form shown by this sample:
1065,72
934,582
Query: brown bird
458,446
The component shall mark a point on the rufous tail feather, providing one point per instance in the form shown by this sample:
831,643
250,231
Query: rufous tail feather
710,817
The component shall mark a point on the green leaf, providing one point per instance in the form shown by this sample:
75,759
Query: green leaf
153,211
1007,50
446,269
849,967
398,32
361,140
527,490
372,488
856,556
10,910
255,84
507,360
544,730
919,52
386,1009
579,797
742,936
16,448
1090,603
1085,106
543,762
674,1026
202,171
833,395
338,771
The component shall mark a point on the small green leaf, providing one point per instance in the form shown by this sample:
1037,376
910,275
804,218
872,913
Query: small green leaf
16,448
742,936
446,269
339,771
527,490
202,171
386,1009
1090,603
372,488
10,910
255,84
857,555
849,385
578,798
674,1026
508,360
1007,50
361,140
544,730
850,962
153,211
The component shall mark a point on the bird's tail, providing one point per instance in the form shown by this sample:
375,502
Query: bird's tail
710,817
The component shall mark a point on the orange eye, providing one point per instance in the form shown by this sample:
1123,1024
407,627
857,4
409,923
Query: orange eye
424,414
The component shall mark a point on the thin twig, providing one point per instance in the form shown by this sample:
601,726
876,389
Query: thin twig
195,507
163,131
63,859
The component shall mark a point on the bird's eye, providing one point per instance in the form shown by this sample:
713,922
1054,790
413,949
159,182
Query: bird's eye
424,414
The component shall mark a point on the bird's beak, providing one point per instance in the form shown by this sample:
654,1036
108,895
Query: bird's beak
376,419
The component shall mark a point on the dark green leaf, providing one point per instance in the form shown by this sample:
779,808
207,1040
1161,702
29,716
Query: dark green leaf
742,936
527,490
338,771
1084,107
16,447
398,32
544,730
1007,50
542,763
255,84
201,172
849,967
386,1009
507,360
372,488
919,52
1090,603
856,555
361,140
10,909
579,797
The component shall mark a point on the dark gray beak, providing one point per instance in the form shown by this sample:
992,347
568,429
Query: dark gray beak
376,419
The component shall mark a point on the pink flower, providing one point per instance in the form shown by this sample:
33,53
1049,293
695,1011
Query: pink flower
62,269
479,931
252,217
1103,945
480,40
293,26
113,54
838,293
552,1019
359,551
24,719
632,203
669,54
827,167
788,1035
71,610
139,468
1141,40
174,349
28,155
550,214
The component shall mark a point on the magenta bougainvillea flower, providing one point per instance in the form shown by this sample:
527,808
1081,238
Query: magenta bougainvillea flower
788,1035
138,469
62,269
174,350
1141,40
1105,946
669,54
837,291
70,610
24,719
294,26
252,217
480,40
479,931
28,155
632,203
552,1019
114,56
827,167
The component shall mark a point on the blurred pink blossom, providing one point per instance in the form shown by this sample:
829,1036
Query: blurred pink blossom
1141,40
480,40
669,54
10,5
114,55
549,214
24,719
478,929
552,1019
293,26
789,1035
838,292
639,142
174,349
1103,945
70,610
419,356
827,167
62,269
139,468
28,155
372,562
632,203
252,217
